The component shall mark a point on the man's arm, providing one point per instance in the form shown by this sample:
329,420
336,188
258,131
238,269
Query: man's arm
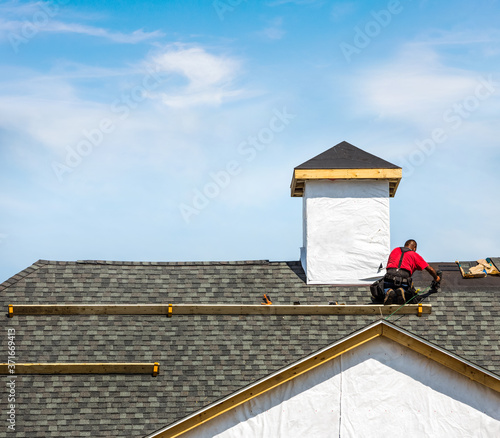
434,274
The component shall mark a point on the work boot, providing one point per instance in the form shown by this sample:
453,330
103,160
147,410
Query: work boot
389,297
400,296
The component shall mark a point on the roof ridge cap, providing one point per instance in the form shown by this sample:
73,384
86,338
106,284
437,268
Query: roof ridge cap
23,274
175,263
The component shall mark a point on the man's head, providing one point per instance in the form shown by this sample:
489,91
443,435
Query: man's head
412,244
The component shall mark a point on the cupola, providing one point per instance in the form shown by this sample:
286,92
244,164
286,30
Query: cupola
346,225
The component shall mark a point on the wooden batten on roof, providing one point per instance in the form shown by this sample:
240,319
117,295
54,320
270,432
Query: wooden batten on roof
215,309
80,368
345,161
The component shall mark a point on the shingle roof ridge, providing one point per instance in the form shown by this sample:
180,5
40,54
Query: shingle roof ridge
185,263
23,274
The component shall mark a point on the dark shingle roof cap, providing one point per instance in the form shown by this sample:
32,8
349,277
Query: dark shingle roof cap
346,156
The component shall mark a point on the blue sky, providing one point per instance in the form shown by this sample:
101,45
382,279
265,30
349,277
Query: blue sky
168,131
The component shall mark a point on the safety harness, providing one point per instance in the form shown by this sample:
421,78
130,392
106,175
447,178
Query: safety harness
399,277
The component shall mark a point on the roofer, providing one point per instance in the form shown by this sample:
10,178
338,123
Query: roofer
402,263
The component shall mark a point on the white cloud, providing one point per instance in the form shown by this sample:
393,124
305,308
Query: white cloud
21,22
417,87
15,29
52,110
209,77
136,36
14,7
201,68
43,116
46,109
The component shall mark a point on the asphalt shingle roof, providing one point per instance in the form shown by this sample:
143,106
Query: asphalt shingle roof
202,357
346,156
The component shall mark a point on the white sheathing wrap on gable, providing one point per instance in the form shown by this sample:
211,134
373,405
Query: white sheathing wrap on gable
346,231
379,389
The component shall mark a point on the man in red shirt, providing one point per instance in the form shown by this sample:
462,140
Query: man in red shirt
402,263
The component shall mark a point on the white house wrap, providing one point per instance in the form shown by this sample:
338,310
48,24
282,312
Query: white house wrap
346,230
380,389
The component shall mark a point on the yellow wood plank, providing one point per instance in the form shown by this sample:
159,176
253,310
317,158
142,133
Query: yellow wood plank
90,309
270,383
301,175
79,368
305,174
230,309
213,309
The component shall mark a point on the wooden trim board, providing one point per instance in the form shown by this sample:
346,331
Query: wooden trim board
300,176
78,368
214,309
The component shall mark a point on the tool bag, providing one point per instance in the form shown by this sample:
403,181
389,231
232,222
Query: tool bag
377,291
398,278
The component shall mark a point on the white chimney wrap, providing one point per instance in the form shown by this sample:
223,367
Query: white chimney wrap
346,231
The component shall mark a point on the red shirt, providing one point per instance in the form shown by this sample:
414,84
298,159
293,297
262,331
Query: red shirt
411,261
